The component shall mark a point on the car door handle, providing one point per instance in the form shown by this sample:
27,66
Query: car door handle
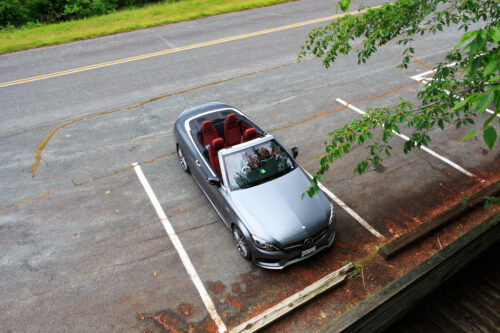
198,163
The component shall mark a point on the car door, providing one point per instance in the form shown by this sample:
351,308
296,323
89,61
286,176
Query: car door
201,171
218,194
218,197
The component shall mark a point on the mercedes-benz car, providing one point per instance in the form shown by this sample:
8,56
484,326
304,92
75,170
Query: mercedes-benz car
255,185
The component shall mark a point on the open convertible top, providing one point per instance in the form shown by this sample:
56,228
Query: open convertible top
217,117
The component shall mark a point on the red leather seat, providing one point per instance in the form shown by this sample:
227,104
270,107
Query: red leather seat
216,145
232,130
249,134
208,133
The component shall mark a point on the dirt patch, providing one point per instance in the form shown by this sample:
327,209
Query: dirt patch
175,321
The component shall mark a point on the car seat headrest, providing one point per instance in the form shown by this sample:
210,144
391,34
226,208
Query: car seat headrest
218,144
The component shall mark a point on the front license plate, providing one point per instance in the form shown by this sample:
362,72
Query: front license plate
306,252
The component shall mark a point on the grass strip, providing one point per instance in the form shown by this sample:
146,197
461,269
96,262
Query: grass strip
120,21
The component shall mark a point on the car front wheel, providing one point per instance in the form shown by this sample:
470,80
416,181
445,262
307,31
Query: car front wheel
182,160
241,243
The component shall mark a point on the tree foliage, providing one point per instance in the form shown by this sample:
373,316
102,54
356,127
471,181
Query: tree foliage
463,86
26,12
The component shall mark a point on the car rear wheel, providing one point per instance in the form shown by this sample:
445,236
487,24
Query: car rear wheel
241,243
182,160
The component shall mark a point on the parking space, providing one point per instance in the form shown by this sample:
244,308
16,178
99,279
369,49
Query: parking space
106,258
471,153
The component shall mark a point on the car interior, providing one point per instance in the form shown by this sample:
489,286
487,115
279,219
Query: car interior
216,135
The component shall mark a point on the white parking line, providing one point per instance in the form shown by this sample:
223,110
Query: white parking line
180,250
404,137
421,77
347,209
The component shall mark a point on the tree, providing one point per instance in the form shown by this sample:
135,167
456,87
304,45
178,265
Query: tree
463,86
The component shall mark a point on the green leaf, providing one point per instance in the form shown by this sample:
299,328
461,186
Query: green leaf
344,4
465,37
483,101
441,124
490,67
462,103
490,136
469,135
491,118
495,34
477,45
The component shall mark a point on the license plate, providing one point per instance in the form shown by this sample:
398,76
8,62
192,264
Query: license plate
308,251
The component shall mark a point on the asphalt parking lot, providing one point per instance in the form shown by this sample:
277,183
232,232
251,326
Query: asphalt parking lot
83,248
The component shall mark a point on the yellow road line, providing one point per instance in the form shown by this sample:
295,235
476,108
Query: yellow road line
175,50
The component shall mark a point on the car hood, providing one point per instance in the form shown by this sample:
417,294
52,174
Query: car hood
275,211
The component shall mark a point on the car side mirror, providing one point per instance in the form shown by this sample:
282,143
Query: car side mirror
295,152
214,181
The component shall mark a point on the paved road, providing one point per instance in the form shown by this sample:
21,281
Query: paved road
82,249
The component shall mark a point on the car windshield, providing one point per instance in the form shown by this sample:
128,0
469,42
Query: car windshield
256,165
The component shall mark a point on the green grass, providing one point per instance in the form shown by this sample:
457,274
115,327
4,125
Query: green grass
124,20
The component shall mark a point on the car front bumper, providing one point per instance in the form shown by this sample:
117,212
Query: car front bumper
281,259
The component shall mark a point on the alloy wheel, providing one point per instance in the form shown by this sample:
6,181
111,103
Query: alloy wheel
240,242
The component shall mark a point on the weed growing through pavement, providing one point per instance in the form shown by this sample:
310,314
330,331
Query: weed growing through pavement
355,273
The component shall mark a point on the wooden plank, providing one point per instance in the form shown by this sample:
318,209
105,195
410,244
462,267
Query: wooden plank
397,245
379,311
293,302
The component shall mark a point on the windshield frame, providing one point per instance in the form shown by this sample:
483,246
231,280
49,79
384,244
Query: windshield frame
244,146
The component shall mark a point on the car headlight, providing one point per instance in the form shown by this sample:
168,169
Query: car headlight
332,215
263,244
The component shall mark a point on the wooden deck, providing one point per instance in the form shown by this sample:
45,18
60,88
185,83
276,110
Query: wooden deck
468,302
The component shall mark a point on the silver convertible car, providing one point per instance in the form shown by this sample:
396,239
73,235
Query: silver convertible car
255,186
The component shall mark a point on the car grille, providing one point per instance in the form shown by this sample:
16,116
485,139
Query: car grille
300,244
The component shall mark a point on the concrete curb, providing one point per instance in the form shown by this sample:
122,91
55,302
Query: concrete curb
379,311
397,245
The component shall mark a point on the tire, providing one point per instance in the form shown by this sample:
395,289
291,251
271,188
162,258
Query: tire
241,243
182,160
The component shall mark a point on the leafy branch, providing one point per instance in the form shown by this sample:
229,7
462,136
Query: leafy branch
463,87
